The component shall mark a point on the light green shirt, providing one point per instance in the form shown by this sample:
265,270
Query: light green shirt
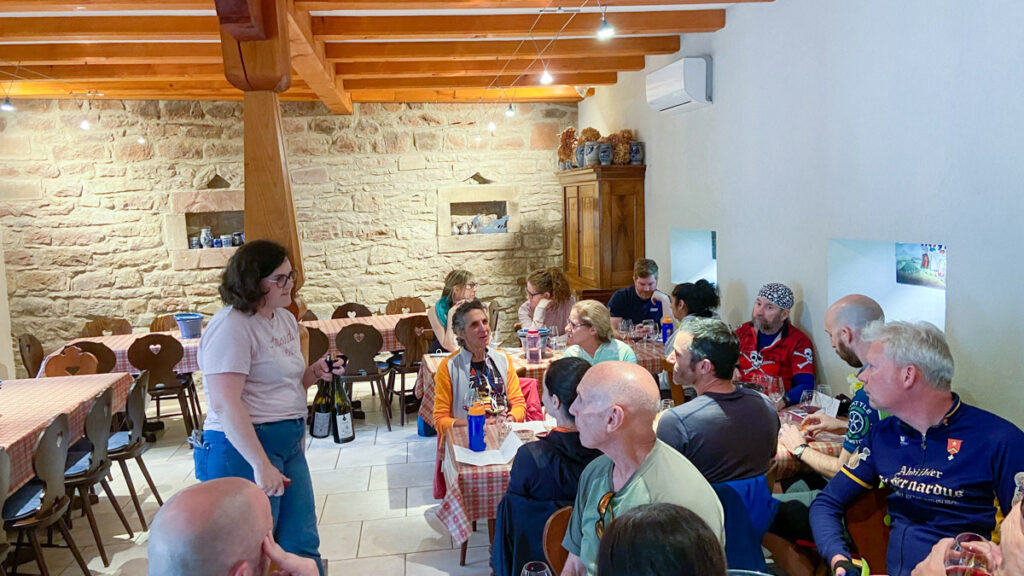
664,476
611,350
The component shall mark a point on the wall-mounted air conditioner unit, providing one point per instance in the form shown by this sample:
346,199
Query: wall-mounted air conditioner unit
681,86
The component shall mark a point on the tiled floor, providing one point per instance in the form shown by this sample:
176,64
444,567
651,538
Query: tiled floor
374,502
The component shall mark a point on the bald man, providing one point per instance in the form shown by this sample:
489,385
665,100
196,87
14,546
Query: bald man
220,528
615,408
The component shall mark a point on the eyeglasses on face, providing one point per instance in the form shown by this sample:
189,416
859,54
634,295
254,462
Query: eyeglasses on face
577,325
532,294
281,280
604,505
471,286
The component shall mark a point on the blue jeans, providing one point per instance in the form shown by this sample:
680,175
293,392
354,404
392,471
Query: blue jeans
295,511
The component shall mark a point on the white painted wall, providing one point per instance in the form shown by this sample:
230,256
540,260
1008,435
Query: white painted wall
873,119
690,254
868,267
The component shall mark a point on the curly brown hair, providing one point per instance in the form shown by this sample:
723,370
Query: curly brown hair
553,281
254,261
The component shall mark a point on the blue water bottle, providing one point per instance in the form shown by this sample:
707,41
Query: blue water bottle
477,416
666,329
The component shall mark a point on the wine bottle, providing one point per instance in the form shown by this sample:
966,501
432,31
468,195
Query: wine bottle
343,429
320,422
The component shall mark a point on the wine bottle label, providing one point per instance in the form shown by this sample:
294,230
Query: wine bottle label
344,425
321,424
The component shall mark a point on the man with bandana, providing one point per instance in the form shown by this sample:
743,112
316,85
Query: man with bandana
771,346
950,466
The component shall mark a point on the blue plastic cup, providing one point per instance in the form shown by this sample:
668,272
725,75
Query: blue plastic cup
190,324
477,441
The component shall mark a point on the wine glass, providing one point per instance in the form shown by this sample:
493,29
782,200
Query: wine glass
967,556
470,398
807,398
776,394
536,569
650,328
626,328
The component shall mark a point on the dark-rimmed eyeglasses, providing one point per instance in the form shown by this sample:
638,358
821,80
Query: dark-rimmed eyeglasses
577,325
532,294
281,280
604,505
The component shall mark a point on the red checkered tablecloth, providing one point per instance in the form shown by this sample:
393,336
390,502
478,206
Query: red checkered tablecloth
473,491
120,343
384,323
648,354
28,405
787,465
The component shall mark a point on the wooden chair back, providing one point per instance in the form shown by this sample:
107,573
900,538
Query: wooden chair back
71,362
136,407
351,310
602,296
97,428
105,357
415,335
865,520
106,327
158,353
554,532
492,318
165,323
31,353
405,305
360,342
48,461
319,344
309,316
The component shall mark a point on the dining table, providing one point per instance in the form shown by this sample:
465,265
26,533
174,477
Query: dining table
649,354
28,405
384,323
120,343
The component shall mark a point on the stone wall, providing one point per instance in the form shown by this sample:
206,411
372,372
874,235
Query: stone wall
82,211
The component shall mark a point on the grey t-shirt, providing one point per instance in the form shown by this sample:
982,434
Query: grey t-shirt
726,436
268,352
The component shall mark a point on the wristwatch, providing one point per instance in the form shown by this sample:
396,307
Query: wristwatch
799,450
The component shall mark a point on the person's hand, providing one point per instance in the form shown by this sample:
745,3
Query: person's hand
320,368
287,564
818,422
544,303
270,479
791,436
841,565
935,563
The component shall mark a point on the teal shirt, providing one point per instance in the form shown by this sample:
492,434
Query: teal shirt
612,350
664,476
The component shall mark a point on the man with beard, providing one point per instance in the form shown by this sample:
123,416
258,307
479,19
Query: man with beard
844,322
641,301
771,346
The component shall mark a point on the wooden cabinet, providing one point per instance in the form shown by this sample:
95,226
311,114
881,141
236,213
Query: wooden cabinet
602,226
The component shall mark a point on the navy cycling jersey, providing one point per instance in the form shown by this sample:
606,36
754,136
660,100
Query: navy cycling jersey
944,482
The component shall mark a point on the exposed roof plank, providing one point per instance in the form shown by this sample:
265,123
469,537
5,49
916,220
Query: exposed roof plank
135,53
115,72
583,79
86,6
485,4
110,29
307,55
446,68
513,25
528,94
568,48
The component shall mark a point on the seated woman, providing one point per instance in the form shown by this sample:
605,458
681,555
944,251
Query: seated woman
589,335
545,474
548,301
659,539
690,300
459,287
476,366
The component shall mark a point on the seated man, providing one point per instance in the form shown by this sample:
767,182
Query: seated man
614,409
218,528
642,300
946,463
728,432
771,346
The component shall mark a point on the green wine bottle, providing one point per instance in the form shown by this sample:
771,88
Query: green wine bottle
343,429
320,422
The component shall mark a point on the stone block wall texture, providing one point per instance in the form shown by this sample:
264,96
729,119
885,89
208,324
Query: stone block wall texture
83,210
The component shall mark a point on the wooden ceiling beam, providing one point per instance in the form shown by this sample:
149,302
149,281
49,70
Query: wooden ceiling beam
115,72
484,4
583,79
171,89
308,60
528,94
447,68
110,29
338,28
87,6
72,54
569,48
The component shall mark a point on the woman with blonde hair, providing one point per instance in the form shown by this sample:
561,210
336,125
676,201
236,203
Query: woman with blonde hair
589,335
459,287
548,301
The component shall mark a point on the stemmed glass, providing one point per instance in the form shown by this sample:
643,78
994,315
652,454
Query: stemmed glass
499,408
773,388
626,328
470,399
536,569
650,328
967,556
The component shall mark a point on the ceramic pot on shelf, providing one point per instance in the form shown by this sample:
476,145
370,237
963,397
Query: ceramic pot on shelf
590,155
636,152
206,238
604,153
579,156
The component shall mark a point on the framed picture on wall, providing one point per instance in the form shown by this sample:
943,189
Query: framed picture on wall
921,264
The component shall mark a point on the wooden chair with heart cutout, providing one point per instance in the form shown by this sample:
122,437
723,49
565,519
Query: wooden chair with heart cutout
105,357
160,353
31,354
361,342
165,323
351,310
71,362
106,327
415,335
405,305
